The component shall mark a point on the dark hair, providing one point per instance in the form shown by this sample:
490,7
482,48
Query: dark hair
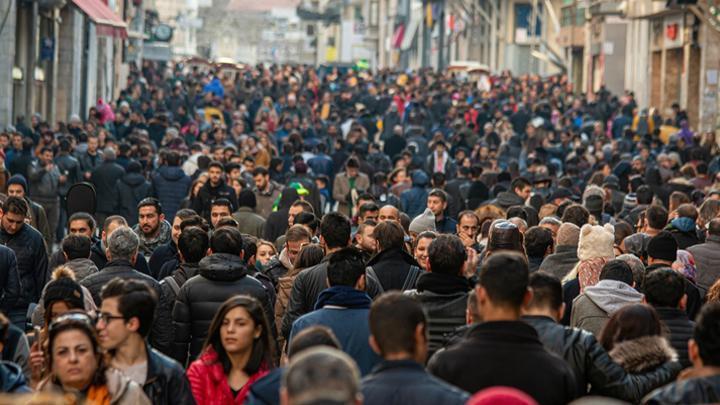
687,211
678,198
193,244
576,214
79,321
135,300
83,216
707,334
224,202
393,320
389,235
424,235
16,205
630,322
345,267
447,255
76,246
664,287
519,182
656,216
617,270
714,226
436,192
250,245
226,240
306,206
172,158
226,222
547,291
352,163
505,278
644,195
216,164
335,229
262,351
151,202
367,207
537,241
297,233
114,219
314,336
260,171
308,219
516,211
4,328
310,255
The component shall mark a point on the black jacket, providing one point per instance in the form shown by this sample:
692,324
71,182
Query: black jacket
116,268
703,390
406,382
307,286
131,189
105,177
161,255
593,366
220,276
32,263
10,289
679,330
164,340
694,300
208,193
507,353
277,222
166,383
97,255
561,262
392,267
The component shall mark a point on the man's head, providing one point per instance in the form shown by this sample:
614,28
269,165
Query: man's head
368,212
468,224
656,217
127,309
389,213
226,240
14,212
150,216
447,255
714,227
193,244
81,223
437,202
261,176
220,208
76,247
662,248
110,225
247,198
398,327
352,168
538,242
122,244
215,172
321,375
365,237
617,270
521,187
704,347
335,230
296,208
576,214
389,235
92,143
547,296
17,186
346,267
180,216
295,238
503,286
665,287
46,156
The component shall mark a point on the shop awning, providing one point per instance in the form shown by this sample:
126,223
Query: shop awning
107,22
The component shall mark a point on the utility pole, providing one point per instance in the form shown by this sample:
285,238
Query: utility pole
426,29
441,37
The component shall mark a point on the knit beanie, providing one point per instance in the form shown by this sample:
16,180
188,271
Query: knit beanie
18,179
568,234
630,201
663,246
596,242
64,289
423,222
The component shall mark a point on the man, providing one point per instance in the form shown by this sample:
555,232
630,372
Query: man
707,257
322,163
365,240
443,289
368,212
152,228
665,290
221,275
398,333
219,209
214,188
90,159
79,223
76,251
11,375
29,249
249,222
468,229
45,180
560,263
69,167
457,190
321,375
126,317
309,283
520,190
347,183
701,383
266,191
655,220
581,350
344,308
99,248
414,200
503,350
437,203
296,237
167,254
104,176
393,267
388,213
170,184
538,245
17,187
684,228
592,309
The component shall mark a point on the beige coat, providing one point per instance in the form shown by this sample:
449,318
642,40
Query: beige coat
341,189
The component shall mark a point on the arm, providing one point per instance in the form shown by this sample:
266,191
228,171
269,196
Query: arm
181,324
41,271
339,189
10,281
162,329
35,172
195,379
179,388
296,306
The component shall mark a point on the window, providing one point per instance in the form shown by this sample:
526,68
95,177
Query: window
523,14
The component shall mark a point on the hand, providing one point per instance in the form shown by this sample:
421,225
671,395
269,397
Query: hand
62,179
466,240
49,166
471,263
37,361
87,175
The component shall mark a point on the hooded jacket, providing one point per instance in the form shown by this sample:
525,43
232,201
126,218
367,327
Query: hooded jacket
208,193
592,309
685,232
560,263
105,177
391,267
277,222
32,263
12,380
220,276
171,185
697,390
414,200
131,189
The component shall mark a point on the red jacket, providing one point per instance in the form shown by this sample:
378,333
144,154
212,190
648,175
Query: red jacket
208,381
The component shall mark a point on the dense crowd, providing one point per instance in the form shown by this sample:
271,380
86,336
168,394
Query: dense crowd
297,235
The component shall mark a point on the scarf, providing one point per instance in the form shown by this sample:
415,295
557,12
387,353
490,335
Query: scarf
343,296
589,271
442,283
440,161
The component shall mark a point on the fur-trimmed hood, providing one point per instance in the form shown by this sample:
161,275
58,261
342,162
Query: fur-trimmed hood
643,354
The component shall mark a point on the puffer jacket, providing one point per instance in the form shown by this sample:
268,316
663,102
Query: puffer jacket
32,264
698,390
678,329
220,276
82,268
131,189
593,366
170,185
166,382
707,261
414,200
168,295
560,263
12,380
592,309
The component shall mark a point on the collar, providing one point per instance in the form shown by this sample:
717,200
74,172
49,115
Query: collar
537,318
566,249
118,263
245,209
505,332
408,364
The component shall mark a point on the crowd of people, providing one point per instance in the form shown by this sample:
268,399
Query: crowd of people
296,235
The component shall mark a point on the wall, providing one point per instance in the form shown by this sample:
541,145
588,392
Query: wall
7,58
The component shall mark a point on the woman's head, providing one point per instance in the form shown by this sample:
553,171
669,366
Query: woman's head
421,245
73,352
629,323
62,294
310,255
240,326
265,252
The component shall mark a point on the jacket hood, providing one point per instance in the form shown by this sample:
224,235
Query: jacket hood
643,354
12,378
171,173
222,267
393,254
420,179
289,195
285,260
611,295
133,179
508,199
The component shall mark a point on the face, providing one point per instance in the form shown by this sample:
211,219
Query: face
366,240
421,252
215,174
218,155
293,212
113,331
436,205
218,212
238,331
352,171
149,220
293,248
264,254
12,223
16,190
261,181
388,214
74,361
524,193
47,157
370,216
17,142
80,227
468,226
552,228
58,308
92,144
176,229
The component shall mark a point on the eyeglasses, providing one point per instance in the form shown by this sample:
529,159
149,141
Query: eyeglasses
71,317
106,318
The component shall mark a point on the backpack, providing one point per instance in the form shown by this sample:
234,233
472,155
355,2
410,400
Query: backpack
174,286
410,279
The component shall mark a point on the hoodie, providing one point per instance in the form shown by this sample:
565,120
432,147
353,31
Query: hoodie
507,199
414,200
611,295
12,379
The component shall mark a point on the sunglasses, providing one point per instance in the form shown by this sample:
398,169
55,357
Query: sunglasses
71,317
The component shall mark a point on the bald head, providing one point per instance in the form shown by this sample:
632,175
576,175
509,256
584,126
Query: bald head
389,213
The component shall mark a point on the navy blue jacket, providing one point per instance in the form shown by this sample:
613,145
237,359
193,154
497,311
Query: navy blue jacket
131,189
161,255
9,279
105,177
266,391
171,185
414,200
32,263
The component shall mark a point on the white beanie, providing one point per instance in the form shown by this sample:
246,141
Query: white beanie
423,222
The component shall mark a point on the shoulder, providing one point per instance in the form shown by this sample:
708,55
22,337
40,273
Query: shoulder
167,363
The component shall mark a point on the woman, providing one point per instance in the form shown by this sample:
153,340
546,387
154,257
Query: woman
265,252
77,369
194,190
634,339
595,248
420,250
238,351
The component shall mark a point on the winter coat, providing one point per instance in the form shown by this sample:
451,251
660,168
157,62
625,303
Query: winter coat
162,255
592,309
266,390
694,299
341,189
220,276
507,199
148,246
12,380
642,354
89,163
678,329
322,164
121,389
707,261
82,268
402,382
32,264
249,222
277,221
278,267
391,267
105,177
170,185
593,366
698,390
37,318
560,263
208,193
209,383
414,200
38,220
131,189
266,199
43,184
506,353
116,268
97,255
166,302
166,383
10,287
